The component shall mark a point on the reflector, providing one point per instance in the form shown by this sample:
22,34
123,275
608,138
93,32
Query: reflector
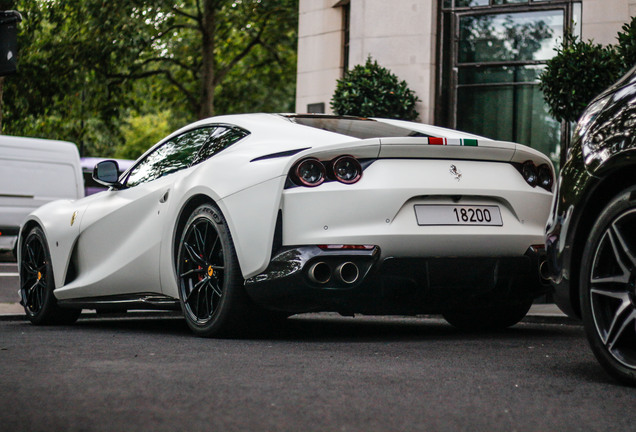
346,247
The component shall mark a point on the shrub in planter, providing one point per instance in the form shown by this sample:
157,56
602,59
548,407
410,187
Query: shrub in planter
579,71
627,45
370,90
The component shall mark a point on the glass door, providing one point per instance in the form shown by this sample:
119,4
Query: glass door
496,53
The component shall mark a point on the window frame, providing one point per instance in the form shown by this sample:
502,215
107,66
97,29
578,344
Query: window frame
448,53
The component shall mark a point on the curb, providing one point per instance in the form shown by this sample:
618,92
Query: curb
551,319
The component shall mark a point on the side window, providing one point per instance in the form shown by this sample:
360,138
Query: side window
221,138
172,156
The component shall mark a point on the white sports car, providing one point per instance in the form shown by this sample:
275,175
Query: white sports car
237,219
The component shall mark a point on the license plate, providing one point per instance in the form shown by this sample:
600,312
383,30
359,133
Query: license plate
458,215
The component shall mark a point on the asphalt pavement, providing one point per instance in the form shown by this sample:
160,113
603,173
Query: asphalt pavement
321,372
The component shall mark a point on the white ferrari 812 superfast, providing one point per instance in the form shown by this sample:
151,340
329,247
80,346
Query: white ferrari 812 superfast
236,220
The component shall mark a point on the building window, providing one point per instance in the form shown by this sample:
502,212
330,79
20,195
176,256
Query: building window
493,52
346,23
316,108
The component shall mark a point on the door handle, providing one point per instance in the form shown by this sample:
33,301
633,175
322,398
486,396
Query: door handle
164,197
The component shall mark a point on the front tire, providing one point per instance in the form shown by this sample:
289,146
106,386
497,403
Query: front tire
607,288
211,290
37,283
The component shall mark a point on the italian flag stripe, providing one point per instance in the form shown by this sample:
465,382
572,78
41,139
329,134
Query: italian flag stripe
469,142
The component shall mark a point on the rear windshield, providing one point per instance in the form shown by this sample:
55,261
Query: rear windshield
355,127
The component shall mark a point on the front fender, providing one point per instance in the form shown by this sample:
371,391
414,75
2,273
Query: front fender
60,221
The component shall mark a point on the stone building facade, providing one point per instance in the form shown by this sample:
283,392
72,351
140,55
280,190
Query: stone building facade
473,63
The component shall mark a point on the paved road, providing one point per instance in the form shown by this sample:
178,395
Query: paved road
321,373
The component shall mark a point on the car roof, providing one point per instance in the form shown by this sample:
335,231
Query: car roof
350,126
271,133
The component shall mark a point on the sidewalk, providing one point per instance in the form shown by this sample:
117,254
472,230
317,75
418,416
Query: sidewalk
550,314
11,310
539,313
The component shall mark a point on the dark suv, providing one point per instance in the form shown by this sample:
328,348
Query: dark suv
591,234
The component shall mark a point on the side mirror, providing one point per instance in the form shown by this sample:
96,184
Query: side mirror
107,173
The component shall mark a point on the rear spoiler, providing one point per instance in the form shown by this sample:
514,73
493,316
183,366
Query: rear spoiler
458,148
428,148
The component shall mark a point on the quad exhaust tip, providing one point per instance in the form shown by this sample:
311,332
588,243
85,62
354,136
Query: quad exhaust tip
346,273
319,273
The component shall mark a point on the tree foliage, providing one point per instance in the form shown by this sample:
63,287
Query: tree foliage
627,44
87,68
581,70
371,90
141,131
200,46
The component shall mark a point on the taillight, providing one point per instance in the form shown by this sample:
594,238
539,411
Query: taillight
310,172
545,177
529,173
346,169
537,176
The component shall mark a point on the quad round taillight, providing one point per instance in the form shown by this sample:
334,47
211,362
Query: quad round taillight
346,169
310,172
537,176
545,177
529,173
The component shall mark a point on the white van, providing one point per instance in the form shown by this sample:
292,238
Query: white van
33,172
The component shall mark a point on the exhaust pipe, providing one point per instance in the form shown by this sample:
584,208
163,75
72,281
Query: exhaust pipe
319,273
347,272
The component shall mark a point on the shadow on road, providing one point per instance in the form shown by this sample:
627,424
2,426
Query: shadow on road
588,371
328,327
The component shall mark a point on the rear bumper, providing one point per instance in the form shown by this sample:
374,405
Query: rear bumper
394,285
380,210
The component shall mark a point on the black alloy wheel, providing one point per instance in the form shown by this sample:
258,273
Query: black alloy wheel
210,282
608,288
37,283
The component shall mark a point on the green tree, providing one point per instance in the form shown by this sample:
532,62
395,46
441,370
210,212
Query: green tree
86,67
581,70
141,131
61,89
201,46
371,90
576,74
627,45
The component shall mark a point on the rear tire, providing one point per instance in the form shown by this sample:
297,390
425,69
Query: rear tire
37,283
491,318
211,291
